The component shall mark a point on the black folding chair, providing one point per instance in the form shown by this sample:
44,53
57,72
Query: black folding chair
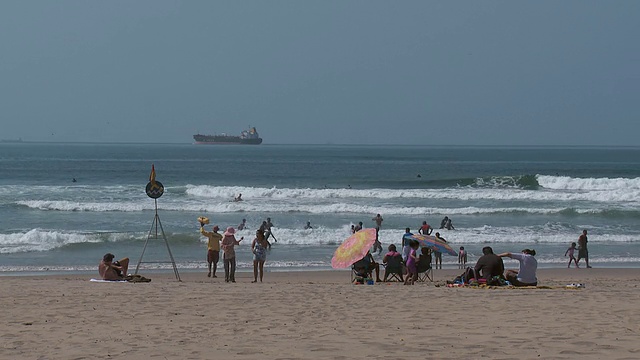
393,268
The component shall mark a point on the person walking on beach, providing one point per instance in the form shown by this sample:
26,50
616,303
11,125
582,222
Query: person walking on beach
259,249
583,252
570,251
213,248
228,243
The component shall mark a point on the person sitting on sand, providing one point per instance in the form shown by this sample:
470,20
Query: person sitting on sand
113,270
488,266
367,265
526,275
259,247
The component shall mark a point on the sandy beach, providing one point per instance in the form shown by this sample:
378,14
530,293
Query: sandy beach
319,315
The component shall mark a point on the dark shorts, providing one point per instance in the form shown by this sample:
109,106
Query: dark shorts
583,254
213,256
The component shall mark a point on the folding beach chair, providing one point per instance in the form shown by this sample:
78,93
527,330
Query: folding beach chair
425,271
393,268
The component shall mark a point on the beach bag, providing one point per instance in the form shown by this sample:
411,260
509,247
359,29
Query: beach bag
137,278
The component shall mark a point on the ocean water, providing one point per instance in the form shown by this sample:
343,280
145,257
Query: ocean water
507,197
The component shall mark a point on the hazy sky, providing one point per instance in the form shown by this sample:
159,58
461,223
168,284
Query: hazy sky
365,72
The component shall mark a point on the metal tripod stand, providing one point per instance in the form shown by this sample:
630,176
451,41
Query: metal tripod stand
154,224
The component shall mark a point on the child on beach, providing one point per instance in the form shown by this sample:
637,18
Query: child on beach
462,258
412,264
570,251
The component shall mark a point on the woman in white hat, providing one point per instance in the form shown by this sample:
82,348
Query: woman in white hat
229,257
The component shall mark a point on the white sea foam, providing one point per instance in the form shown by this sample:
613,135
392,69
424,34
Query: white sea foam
282,207
37,240
587,184
462,193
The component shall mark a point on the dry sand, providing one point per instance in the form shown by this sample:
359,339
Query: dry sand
319,315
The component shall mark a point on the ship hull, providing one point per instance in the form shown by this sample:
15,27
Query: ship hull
227,142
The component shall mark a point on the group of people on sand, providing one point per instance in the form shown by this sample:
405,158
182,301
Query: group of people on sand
489,269
227,242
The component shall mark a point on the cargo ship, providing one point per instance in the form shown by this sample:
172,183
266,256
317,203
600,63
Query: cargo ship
247,137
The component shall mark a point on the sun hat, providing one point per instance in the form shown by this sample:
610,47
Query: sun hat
230,231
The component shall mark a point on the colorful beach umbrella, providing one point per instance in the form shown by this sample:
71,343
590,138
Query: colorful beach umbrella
432,243
354,248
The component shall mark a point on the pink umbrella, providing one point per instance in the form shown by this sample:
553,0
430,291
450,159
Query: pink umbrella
354,248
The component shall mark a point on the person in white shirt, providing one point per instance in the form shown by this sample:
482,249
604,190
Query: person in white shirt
526,275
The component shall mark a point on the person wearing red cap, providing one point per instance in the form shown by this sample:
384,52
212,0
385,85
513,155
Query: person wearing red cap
213,248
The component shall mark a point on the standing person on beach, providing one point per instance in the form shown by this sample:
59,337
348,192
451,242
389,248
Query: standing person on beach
259,248
406,248
583,252
570,251
213,248
437,254
412,263
377,245
228,243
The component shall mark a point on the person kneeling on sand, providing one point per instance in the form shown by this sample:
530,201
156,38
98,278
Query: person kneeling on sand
113,270
526,275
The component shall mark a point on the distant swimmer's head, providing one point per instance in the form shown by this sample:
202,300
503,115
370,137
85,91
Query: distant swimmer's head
487,250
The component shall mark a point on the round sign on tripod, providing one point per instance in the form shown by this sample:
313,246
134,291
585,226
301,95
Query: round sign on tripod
154,189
